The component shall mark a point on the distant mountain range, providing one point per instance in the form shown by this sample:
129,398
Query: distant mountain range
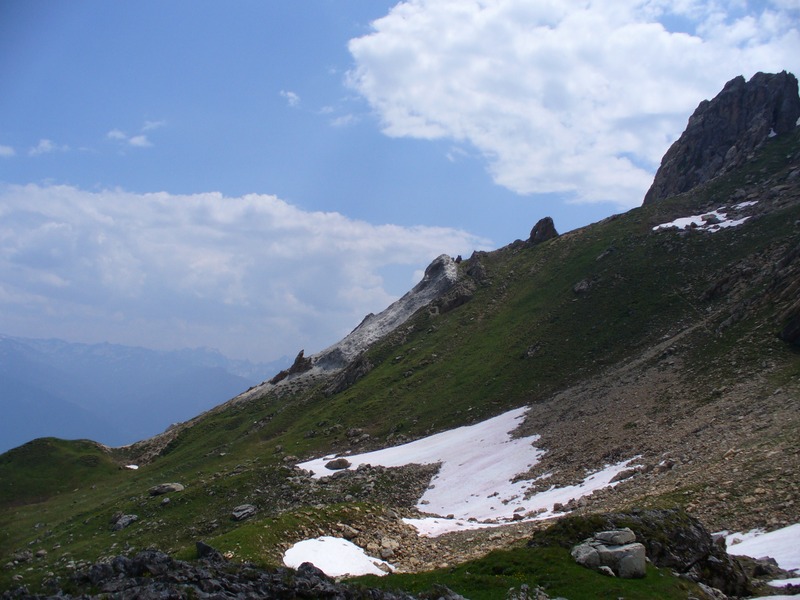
111,393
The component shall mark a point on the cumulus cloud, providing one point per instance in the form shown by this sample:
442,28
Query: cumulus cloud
7,151
252,275
581,98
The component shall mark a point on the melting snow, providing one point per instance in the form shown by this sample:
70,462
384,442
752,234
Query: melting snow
712,221
476,486
335,557
782,544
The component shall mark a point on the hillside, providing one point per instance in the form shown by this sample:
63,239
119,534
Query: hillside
675,349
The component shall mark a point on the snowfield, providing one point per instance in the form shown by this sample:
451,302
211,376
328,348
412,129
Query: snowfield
476,487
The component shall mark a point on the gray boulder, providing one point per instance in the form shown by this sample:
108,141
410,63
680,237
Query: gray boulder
615,551
123,521
166,488
243,511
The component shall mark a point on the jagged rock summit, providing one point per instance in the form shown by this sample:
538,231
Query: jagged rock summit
544,230
724,132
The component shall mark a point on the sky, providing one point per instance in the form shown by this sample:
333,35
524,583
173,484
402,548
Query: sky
256,176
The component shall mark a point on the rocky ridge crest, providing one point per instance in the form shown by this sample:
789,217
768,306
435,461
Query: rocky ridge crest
723,133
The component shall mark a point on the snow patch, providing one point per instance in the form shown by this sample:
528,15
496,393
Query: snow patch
782,544
477,482
713,221
335,557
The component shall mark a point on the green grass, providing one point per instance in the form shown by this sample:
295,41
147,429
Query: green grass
45,467
551,568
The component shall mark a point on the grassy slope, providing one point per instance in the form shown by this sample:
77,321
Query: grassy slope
552,568
438,372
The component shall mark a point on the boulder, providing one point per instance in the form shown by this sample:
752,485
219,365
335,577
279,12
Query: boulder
614,550
166,488
123,521
723,133
672,539
337,464
243,511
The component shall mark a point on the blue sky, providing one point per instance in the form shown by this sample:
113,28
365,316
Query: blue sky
257,176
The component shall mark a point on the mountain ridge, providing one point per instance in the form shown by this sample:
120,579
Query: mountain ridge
151,389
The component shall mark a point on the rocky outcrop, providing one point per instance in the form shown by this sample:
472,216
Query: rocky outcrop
615,552
544,230
672,538
724,132
301,364
439,278
151,574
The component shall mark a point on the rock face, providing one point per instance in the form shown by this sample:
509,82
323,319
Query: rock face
613,552
723,132
544,230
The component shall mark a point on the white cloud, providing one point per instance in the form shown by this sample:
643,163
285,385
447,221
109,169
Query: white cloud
291,98
251,275
344,120
139,141
46,146
150,125
575,97
7,151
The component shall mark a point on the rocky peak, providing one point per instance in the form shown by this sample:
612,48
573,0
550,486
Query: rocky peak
544,230
723,133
